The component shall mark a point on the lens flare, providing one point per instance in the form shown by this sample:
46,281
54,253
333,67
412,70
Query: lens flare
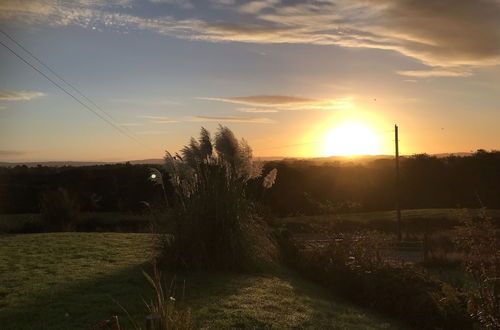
351,139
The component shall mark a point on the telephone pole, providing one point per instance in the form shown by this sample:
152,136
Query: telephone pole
398,207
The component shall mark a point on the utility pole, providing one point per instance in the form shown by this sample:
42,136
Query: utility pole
398,207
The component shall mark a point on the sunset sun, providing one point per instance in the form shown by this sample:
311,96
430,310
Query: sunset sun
350,139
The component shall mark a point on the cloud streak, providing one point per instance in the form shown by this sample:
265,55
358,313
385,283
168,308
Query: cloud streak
262,100
144,102
257,110
130,124
151,132
12,153
283,103
436,73
19,95
159,119
256,120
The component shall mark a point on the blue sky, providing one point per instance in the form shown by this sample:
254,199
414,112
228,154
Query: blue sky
281,74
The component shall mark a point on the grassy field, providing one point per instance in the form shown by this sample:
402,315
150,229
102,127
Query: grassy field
72,280
128,222
381,219
89,221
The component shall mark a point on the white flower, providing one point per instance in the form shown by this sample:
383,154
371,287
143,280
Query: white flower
270,178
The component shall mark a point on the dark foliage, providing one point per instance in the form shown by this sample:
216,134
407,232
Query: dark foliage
302,188
59,210
479,239
117,188
402,292
308,188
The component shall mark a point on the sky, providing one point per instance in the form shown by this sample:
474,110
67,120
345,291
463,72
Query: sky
295,78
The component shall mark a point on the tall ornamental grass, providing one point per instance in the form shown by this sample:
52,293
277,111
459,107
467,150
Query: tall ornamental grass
215,226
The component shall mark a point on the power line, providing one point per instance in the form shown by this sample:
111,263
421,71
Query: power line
61,78
118,128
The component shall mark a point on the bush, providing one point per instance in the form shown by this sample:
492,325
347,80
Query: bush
479,239
214,221
59,210
356,269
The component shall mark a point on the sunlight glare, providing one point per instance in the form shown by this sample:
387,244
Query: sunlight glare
351,139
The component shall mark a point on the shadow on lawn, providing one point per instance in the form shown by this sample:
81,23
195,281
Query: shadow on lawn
81,304
218,300
85,303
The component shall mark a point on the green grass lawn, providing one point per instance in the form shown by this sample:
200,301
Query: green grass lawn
128,222
88,221
71,280
413,217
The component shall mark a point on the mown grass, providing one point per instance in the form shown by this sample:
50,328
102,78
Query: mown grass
68,280
383,219
128,222
71,280
88,221
281,300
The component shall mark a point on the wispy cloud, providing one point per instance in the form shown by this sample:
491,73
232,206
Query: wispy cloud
436,73
223,2
159,119
151,102
441,34
262,100
130,124
152,132
12,153
280,102
186,4
164,121
258,120
19,95
257,110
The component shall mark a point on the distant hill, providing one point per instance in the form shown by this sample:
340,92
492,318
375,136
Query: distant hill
71,163
153,161
156,161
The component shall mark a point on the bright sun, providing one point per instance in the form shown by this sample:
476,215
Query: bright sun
350,139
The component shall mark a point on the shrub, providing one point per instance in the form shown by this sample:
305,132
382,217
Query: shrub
356,269
479,239
59,210
214,221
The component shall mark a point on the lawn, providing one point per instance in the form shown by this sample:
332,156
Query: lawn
88,221
129,222
381,219
72,280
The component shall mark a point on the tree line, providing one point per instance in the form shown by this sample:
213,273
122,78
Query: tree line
302,187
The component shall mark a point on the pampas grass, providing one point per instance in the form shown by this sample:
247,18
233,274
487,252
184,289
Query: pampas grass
214,222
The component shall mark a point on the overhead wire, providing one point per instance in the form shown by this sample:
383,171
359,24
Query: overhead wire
62,79
111,120
108,121
55,73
